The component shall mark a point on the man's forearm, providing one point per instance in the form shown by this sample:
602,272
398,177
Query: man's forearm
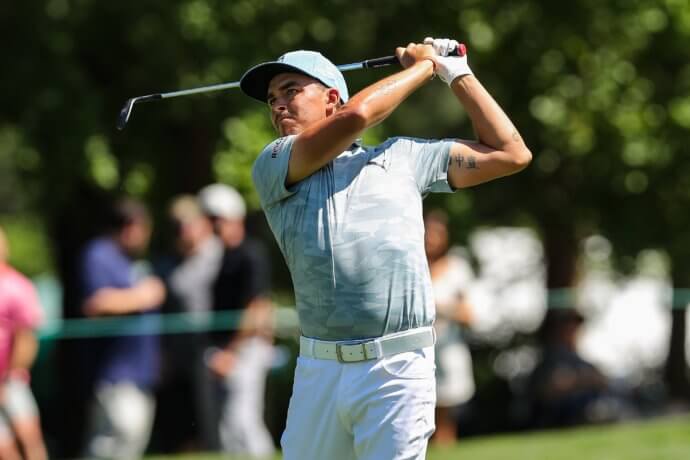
112,301
24,349
257,318
321,143
379,100
491,124
145,295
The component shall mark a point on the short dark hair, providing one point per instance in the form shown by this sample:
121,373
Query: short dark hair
125,211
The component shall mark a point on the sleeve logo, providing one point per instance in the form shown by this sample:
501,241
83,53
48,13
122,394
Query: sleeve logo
277,146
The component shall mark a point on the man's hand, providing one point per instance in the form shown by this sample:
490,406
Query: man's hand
448,68
442,46
415,53
152,292
221,362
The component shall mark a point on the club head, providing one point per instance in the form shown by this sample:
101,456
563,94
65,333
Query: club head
125,113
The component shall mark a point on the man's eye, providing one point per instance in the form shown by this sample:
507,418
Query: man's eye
291,91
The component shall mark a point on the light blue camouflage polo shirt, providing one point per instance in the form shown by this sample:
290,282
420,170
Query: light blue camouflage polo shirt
352,234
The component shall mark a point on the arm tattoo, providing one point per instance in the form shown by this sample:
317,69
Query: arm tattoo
516,136
469,163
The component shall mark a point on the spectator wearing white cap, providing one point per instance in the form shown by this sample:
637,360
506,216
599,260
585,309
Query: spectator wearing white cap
240,358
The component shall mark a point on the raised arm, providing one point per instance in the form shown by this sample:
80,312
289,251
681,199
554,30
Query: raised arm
322,141
147,294
499,150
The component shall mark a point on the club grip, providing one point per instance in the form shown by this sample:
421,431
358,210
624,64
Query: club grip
461,50
380,62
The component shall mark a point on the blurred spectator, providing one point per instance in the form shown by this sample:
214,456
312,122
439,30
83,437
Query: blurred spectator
241,359
185,385
124,368
564,388
450,277
20,314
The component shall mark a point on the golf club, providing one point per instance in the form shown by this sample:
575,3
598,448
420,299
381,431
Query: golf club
126,111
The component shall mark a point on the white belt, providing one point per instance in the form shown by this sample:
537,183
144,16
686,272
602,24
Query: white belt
362,350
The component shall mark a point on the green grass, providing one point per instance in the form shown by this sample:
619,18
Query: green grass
662,439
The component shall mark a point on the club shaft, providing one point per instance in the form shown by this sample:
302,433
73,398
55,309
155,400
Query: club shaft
126,111
368,64
203,89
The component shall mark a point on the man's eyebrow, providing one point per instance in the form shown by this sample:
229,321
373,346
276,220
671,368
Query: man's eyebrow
283,86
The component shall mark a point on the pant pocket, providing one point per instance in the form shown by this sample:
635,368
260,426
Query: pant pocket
417,364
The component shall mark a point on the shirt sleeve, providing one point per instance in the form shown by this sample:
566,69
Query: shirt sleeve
28,312
100,269
270,171
429,160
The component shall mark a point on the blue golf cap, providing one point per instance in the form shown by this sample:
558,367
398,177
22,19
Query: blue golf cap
255,81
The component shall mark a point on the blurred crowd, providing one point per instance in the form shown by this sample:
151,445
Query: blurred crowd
205,390
201,390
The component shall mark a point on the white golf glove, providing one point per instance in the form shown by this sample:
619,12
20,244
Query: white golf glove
448,68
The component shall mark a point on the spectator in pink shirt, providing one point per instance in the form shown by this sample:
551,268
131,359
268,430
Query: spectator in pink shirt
20,314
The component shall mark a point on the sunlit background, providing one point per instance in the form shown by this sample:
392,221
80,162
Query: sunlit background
598,223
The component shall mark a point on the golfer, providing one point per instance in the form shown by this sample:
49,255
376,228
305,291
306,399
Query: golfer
348,220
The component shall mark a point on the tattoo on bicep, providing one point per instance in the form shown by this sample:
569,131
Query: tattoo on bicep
469,162
516,136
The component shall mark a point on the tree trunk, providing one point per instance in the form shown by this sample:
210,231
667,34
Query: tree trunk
676,370
560,249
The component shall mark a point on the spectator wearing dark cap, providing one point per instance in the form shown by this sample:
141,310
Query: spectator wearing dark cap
124,369
240,358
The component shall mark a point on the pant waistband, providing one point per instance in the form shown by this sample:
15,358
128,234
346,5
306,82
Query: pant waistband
363,350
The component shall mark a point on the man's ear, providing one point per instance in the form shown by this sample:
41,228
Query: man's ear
333,97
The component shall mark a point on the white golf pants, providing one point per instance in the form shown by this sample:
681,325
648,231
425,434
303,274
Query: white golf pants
380,409
242,429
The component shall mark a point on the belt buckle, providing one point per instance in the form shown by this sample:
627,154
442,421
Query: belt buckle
339,352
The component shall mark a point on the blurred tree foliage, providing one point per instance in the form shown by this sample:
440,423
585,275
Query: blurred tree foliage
599,90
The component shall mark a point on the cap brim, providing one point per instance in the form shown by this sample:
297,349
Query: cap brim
254,83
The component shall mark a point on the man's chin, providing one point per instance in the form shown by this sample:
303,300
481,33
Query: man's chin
288,131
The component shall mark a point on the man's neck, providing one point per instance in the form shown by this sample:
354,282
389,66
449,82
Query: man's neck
120,245
199,245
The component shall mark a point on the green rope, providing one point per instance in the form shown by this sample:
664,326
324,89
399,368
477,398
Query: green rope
285,320
168,323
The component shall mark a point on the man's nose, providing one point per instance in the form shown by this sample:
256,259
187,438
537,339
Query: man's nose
278,107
